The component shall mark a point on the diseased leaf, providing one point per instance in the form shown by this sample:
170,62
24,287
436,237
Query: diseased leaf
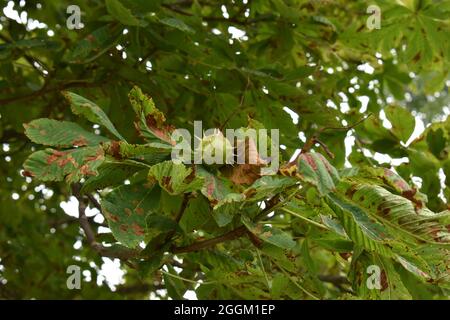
177,24
61,134
175,178
150,154
72,165
360,227
267,186
151,123
91,111
374,277
315,169
213,188
121,13
269,234
126,209
413,221
110,175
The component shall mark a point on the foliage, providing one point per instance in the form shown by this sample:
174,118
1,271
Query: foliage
89,113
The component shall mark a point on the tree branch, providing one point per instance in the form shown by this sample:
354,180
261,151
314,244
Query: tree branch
231,20
315,137
94,202
231,235
44,91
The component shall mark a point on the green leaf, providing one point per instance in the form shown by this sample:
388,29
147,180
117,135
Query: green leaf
175,178
126,209
225,210
74,164
61,134
363,276
121,13
110,175
267,186
279,284
330,241
177,24
91,111
361,228
197,215
95,44
268,234
403,123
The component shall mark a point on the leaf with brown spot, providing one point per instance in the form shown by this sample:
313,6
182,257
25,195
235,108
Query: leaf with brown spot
151,123
74,164
84,107
61,134
131,206
175,178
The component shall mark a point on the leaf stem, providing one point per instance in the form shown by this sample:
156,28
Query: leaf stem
317,224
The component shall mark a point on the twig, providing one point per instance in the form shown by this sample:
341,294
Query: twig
44,91
348,127
315,138
234,234
231,235
94,202
268,17
177,219
233,113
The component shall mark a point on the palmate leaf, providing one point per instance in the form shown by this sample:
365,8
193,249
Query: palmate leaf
73,164
61,134
91,111
127,208
419,34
